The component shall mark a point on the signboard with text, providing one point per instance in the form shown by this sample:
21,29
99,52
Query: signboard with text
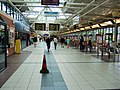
40,26
54,27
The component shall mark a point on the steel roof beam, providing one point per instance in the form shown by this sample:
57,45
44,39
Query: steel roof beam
95,8
80,11
30,2
38,6
85,8
74,7
38,16
25,1
80,4
9,1
45,6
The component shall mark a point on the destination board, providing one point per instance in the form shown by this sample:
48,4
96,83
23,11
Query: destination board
50,2
54,27
40,26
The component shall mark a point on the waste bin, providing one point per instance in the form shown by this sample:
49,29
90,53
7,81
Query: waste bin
18,46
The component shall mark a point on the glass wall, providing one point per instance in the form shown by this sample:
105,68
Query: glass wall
118,35
3,56
0,6
4,8
8,9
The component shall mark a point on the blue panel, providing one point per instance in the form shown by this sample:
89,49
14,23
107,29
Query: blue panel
19,26
51,13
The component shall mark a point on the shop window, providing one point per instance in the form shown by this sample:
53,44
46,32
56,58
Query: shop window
118,29
4,7
0,6
14,15
11,36
12,12
111,30
107,30
102,31
118,34
8,9
3,56
97,31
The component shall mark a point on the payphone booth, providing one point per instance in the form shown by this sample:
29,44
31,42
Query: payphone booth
3,48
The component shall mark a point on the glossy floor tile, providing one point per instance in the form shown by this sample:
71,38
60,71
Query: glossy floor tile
69,69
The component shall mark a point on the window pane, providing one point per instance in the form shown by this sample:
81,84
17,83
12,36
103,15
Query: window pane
0,5
4,8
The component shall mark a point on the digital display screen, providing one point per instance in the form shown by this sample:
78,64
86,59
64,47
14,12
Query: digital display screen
40,26
54,27
49,2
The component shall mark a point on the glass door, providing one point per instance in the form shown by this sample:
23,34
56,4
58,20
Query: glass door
3,50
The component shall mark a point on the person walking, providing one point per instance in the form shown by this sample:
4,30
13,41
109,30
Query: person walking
62,40
81,43
55,42
48,41
67,42
90,44
35,41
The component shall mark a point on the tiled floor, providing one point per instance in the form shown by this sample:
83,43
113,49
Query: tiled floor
69,69
14,62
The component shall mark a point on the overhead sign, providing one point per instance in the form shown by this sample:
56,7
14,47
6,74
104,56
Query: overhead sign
54,27
40,26
50,14
49,2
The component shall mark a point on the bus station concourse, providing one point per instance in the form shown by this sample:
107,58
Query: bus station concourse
59,44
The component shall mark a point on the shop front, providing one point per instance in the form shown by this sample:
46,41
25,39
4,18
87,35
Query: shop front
22,32
10,33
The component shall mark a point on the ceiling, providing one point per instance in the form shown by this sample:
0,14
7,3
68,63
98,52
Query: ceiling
82,12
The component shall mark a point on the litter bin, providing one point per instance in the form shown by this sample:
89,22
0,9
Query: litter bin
18,46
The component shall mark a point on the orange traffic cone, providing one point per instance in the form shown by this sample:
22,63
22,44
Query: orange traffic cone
44,66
